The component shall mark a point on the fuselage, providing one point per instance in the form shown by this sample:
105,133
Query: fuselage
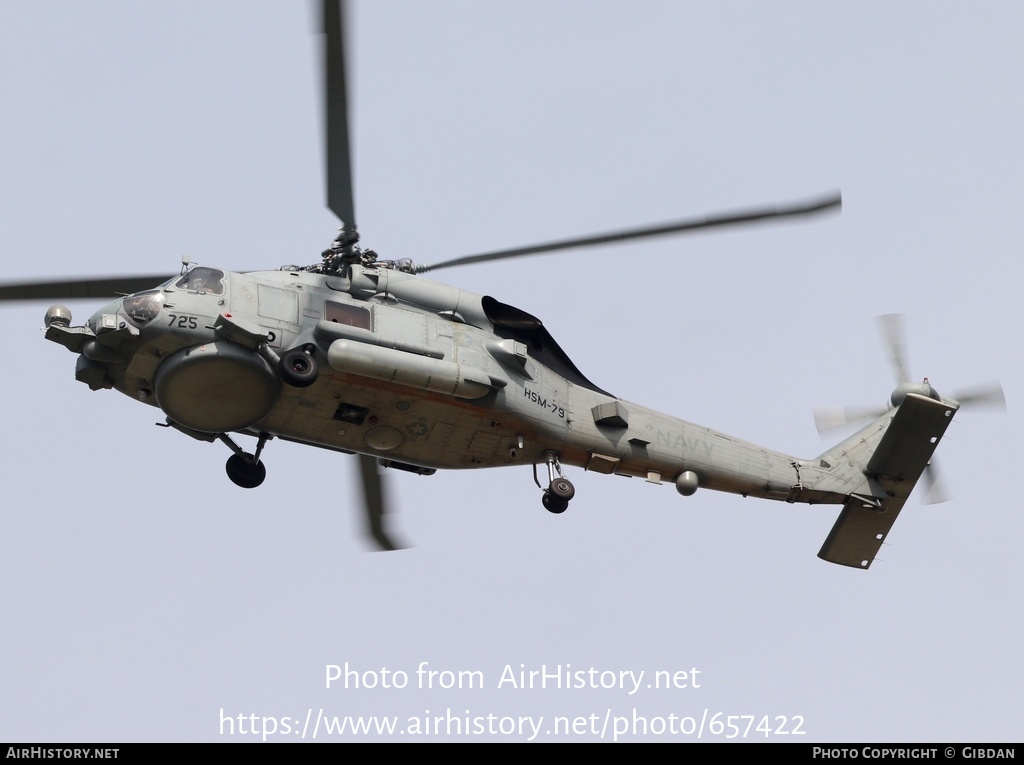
413,371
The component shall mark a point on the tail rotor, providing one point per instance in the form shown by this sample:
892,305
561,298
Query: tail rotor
827,419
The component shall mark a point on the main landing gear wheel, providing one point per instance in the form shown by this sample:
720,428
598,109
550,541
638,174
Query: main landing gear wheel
562,488
244,471
298,368
553,503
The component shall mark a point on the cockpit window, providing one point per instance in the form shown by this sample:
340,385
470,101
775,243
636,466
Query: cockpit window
143,307
202,279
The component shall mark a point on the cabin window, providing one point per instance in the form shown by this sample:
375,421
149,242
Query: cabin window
343,313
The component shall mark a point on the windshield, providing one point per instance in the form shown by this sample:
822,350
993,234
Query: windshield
143,307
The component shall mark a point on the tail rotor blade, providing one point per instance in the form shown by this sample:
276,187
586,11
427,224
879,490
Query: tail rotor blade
935,491
829,418
892,328
990,396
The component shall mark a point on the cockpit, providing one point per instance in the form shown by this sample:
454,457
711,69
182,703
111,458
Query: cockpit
143,307
202,279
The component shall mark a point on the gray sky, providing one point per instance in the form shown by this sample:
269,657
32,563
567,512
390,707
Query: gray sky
143,592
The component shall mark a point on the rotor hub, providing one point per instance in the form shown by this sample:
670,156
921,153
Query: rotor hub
923,388
343,252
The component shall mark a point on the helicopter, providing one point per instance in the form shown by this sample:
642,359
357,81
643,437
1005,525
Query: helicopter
366,356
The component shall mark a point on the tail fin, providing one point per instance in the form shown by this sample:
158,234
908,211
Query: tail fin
893,468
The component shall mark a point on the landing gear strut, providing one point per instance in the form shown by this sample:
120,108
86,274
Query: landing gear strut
245,469
560,490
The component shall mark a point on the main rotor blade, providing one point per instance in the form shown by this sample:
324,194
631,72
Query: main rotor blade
74,289
336,123
820,204
892,328
373,502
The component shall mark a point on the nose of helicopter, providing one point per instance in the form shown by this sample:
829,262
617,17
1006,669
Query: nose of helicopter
60,315
105,318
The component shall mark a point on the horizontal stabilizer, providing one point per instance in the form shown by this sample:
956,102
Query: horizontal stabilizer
894,468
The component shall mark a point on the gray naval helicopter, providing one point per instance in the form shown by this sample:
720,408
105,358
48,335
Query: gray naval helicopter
366,356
